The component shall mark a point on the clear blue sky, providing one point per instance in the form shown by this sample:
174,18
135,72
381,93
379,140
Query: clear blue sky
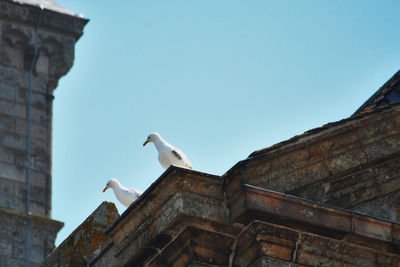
218,79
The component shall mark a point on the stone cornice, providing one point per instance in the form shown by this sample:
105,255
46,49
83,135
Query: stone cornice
35,220
51,20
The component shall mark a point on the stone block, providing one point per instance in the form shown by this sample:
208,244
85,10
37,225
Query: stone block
6,155
41,116
277,251
6,186
40,194
269,262
383,147
11,76
36,254
347,161
307,175
39,178
12,202
10,232
37,131
18,250
12,172
39,236
5,249
287,162
22,95
15,141
7,92
379,128
41,147
40,100
14,262
42,63
372,228
40,84
7,123
340,143
40,160
385,207
13,109
316,251
38,209
12,57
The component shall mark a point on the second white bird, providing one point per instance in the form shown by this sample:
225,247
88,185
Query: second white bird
168,154
124,195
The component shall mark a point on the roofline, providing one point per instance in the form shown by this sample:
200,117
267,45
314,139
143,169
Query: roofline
364,114
383,87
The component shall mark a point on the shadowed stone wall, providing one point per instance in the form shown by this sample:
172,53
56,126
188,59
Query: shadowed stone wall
87,240
57,34
351,164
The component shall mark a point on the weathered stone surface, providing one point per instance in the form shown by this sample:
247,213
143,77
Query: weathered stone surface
12,109
12,235
387,207
7,92
12,172
14,141
87,240
270,262
57,35
343,164
37,131
6,155
175,224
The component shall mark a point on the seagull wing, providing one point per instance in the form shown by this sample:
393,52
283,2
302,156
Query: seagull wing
182,157
176,154
135,192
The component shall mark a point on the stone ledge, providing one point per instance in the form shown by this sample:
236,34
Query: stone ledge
307,212
86,240
29,14
185,209
38,220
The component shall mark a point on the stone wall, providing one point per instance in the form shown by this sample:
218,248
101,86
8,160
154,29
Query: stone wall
87,239
186,218
56,37
43,233
56,55
349,164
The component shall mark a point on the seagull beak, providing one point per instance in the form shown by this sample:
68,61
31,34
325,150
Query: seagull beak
105,188
145,143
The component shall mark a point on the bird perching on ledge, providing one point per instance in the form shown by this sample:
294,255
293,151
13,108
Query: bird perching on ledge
124,195
168,154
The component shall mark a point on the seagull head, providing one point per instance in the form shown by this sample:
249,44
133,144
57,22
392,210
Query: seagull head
153,137
111,184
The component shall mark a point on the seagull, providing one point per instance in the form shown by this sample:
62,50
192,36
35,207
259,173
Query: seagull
125,195
168,154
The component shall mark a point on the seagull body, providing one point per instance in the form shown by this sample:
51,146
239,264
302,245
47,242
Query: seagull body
124,195
168,154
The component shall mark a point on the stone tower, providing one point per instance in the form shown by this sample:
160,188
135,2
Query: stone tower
37,39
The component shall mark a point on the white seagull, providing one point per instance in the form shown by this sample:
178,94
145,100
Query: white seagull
168,154
125,195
